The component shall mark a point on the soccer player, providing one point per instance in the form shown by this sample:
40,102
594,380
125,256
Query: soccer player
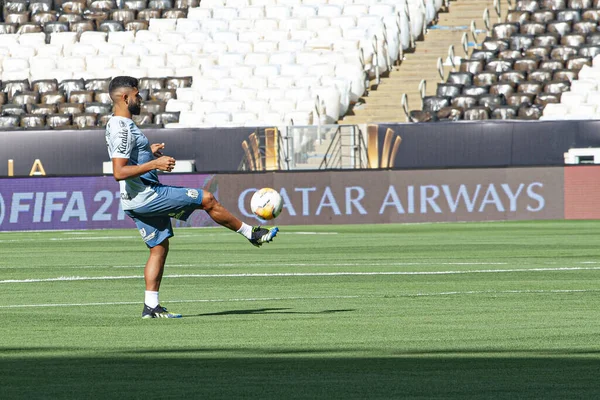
149,203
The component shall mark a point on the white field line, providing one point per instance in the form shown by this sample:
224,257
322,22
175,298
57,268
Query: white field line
298,274
345,264
258,299
183,235
348,264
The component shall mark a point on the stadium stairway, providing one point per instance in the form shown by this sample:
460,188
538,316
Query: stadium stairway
383,102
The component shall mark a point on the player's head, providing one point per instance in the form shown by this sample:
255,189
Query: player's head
124,92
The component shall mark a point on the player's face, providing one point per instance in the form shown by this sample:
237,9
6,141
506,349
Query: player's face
134,102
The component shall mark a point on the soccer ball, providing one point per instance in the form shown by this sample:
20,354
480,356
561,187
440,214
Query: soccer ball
266,203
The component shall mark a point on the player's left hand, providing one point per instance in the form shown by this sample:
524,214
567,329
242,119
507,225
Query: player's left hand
156,149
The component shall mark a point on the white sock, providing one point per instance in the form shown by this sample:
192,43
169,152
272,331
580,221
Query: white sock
151,298
245,230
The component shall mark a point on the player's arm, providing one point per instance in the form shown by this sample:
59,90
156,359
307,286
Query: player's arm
123,171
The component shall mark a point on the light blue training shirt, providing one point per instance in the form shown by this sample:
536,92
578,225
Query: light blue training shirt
125,140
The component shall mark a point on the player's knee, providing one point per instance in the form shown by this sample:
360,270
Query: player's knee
208,201
161,250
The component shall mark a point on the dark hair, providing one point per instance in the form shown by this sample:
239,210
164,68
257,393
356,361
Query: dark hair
122,82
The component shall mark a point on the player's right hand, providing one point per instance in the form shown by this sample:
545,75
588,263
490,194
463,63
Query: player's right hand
165,163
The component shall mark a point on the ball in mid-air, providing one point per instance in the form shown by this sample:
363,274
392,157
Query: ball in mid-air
266,203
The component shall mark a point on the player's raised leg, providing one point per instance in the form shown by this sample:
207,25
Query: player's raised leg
257,235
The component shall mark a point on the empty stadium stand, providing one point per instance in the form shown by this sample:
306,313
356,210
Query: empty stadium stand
213,63
539,63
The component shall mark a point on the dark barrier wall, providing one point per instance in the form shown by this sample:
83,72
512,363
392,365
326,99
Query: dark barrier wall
83,152
489,144
320,197
430,145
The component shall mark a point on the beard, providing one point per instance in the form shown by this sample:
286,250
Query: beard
134,109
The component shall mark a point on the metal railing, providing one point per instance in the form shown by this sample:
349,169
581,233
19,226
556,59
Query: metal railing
305,147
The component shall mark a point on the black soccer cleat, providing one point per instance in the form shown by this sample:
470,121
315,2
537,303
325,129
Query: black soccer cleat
262,235
158,312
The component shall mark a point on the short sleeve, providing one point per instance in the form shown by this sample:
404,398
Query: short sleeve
119,138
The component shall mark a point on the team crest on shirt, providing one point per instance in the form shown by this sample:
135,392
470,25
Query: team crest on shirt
193,193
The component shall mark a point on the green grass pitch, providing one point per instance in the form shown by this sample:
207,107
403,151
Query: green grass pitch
506,310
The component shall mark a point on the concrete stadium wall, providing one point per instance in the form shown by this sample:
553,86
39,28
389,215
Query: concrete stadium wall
323,197
420,146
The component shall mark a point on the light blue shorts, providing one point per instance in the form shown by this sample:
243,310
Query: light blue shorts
154,219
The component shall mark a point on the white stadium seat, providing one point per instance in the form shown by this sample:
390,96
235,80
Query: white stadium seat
242,117
291,24
175,105
231,106
278,12
593,98
214,48
242,94
300,118
9,40
71,63
215,25
176,60
113,49
126,62
188,94
329,10
191,119
258,82
146,36
80,50
212,3
256,106
555,111
93,37
172,38
98,63
256,59
14,64
241,24
282,57
63,38
204,107
134,49
216,72
240,47
192,49
573,99
31,39
160,71
304,11
216,94
252,12
199,13
217,118
282,106
281,81
242,71
317,24
23,51
153,61
197,37
121,38
266,46
225,13
186,25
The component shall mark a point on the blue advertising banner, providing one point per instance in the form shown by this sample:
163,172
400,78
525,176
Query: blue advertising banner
80,202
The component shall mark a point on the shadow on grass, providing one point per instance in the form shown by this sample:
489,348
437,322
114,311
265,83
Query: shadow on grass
265,311
232,373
